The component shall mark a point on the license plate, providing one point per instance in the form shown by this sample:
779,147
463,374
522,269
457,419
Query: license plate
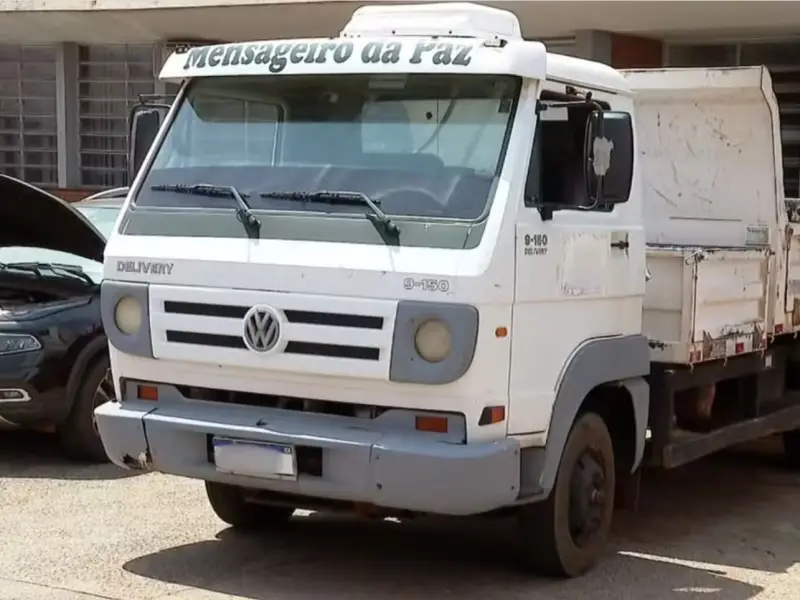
254,459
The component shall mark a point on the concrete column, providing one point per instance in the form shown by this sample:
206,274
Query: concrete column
67,116
593,45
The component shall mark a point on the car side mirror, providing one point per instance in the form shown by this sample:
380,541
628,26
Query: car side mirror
145,122
608,156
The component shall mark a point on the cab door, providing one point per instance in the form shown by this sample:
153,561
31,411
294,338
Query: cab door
579,272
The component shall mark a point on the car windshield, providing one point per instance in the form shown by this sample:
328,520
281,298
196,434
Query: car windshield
420,145
102,217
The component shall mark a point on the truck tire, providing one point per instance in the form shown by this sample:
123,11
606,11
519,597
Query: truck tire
229,504
564,535
78,433
791,448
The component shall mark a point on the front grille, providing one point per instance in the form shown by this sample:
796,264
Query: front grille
301,317
326,335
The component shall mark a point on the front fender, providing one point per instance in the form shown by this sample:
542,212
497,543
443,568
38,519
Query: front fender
624,359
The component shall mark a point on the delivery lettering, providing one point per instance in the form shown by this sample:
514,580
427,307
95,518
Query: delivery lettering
277,55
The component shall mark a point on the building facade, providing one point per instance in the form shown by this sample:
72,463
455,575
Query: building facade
70,70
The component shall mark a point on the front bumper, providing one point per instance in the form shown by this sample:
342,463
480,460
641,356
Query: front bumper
359,463
40,385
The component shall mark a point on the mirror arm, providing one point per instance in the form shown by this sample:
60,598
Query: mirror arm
545,212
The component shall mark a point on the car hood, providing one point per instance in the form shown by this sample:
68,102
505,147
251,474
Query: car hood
29,216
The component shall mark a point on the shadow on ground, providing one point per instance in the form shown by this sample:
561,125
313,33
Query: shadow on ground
33,455
737,508
694,526
330,559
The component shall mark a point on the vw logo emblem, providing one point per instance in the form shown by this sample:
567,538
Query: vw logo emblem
262,329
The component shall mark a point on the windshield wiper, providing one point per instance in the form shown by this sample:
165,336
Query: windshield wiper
244,213
57,268
377,217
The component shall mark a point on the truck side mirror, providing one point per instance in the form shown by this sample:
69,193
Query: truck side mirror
609,156
145,122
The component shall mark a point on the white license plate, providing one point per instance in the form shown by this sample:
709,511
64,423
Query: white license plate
254,459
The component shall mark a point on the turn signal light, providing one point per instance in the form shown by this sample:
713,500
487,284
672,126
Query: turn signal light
432,424
147,392
492,415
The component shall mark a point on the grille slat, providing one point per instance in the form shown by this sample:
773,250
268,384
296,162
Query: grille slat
333,319
205,339
205,310
306,348
335,350
305,317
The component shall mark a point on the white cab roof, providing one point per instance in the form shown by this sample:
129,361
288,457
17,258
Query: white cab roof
445,37
450,37
445,19
582,72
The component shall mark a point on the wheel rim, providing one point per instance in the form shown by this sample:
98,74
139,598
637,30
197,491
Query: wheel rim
588,498
104,392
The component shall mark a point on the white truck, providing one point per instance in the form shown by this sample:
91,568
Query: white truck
427,267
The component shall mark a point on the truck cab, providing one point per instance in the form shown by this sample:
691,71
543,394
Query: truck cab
400,271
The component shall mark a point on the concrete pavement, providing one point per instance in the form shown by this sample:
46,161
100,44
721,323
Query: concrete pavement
725,529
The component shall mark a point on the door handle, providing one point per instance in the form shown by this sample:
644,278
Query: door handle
619,240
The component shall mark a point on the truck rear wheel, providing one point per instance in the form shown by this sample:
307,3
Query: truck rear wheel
564,535
229,504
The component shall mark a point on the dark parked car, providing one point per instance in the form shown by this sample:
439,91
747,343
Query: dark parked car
54,367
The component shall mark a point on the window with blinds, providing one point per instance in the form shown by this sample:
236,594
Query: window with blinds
110,80
28,147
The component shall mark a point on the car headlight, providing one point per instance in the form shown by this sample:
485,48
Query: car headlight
433,340
128,315
13,343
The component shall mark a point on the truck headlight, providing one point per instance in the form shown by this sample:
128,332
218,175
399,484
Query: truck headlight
128,315
14,343
433,340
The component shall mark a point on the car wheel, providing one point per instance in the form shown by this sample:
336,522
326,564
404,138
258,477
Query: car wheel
229,504
564,535
78,433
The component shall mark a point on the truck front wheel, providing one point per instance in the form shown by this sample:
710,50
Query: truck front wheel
564,535
230,505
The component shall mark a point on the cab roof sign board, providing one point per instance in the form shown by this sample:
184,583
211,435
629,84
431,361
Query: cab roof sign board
359,55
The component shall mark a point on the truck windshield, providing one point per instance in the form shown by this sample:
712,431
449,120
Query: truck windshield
419,145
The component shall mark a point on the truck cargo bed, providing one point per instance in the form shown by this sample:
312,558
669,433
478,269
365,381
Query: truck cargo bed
704,303
715,220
